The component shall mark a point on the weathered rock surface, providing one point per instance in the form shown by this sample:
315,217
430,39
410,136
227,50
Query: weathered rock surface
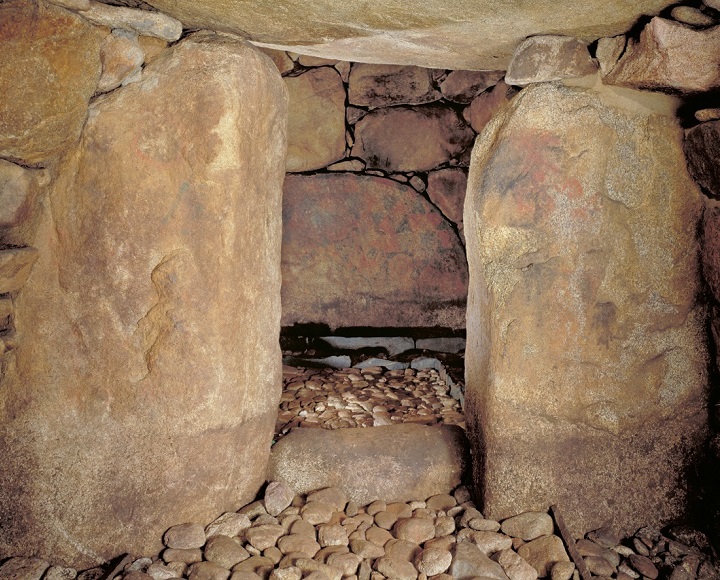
23,569
15,267
485,106
711,249
416,32
18,189
469,562
462,86
382,85
446,189
411,138
421,462
514,565
49,68
349,240
316,119
549,58
702,149
122,58
145,22
691,16
528,526
670,55
608,51
543,553
580,224
281,59
114,421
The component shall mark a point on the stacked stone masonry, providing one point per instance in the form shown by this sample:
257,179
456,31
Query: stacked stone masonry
140,275
377,161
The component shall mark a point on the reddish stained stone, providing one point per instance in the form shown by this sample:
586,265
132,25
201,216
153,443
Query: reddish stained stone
368,251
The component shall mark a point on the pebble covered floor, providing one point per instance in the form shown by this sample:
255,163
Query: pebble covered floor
323,536
341,398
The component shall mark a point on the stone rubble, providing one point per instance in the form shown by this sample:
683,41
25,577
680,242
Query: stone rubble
323,536
337,399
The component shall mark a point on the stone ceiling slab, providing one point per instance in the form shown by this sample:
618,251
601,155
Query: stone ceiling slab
454,34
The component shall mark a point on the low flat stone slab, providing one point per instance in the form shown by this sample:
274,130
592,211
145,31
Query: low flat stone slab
395,463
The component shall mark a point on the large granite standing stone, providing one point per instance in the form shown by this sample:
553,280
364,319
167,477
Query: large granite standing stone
49,68
586,355
316,119
368,251
143,389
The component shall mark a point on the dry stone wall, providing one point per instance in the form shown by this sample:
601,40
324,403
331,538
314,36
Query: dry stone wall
377,170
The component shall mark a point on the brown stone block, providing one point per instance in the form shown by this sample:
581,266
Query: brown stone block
368,251
587,355
49,69
144,387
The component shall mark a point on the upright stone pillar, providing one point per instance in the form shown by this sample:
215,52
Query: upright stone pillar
586,358
143,389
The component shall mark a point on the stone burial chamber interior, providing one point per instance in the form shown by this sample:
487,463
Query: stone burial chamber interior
184,183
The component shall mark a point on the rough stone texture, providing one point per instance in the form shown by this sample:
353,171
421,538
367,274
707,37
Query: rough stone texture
549,58
446,189
421,462
528,526
691,16
114,408
382,85
469,562
350,241
417,32
15,267
23,569
582,318
515,566
122,58
410,138
143,22
462,86
711,249
18,191
703,115
281,59
316,119
543,553
49,68
278,496
670,55
608,51
486,106
702,149
185,536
